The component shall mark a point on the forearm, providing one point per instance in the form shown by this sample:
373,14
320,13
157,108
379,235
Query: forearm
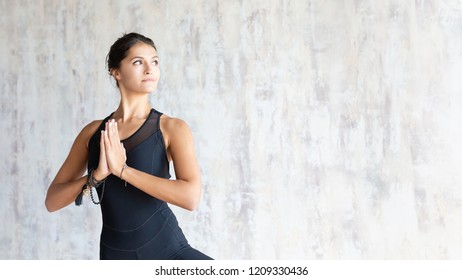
182,193
60,195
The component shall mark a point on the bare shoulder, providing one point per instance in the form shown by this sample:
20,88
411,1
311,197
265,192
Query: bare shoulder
171,124
88,131
92,126
174,128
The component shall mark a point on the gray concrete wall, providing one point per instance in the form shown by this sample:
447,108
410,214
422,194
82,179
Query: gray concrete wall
324,129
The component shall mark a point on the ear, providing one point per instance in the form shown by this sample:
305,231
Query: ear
116,74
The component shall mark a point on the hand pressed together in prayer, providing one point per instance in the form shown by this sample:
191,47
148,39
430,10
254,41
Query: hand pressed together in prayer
112,155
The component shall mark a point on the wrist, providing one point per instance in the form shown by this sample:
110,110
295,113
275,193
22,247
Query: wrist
122,170
98,175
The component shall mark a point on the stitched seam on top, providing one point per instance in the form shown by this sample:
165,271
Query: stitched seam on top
146,243
130,230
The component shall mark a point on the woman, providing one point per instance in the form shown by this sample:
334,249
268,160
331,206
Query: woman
131,176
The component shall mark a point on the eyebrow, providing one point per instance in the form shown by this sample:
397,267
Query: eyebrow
138,57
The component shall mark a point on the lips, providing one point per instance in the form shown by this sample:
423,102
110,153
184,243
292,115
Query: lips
149,80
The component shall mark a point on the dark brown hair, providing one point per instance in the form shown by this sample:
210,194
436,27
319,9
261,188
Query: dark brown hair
121,46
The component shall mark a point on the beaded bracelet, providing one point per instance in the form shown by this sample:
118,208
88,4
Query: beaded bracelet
87,189
93,182
102,194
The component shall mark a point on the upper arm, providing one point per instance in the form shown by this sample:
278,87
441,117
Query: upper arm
75,164
181,149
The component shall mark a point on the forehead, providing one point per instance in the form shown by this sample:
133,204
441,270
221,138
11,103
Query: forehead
141,49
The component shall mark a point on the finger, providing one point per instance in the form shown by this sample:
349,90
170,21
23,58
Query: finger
107,143
102,146
106,129
109,132
116,133
101,141
123,148
113,132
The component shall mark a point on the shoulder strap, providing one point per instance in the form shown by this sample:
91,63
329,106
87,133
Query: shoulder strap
149,127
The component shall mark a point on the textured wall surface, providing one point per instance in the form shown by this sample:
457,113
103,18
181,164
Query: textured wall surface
324,129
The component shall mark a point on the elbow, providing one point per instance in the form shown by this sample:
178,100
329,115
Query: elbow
192,203
48,201
192,206
49,208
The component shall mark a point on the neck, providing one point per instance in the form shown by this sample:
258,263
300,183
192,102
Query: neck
132,107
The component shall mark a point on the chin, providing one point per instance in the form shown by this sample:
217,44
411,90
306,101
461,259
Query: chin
148,89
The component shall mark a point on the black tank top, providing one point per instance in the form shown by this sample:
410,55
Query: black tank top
126,207
137,225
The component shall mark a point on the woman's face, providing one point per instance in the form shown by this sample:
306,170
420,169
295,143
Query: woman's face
139,70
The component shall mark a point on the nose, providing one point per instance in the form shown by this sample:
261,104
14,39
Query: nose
148,69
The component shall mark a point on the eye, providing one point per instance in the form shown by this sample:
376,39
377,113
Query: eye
155,62
137,62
